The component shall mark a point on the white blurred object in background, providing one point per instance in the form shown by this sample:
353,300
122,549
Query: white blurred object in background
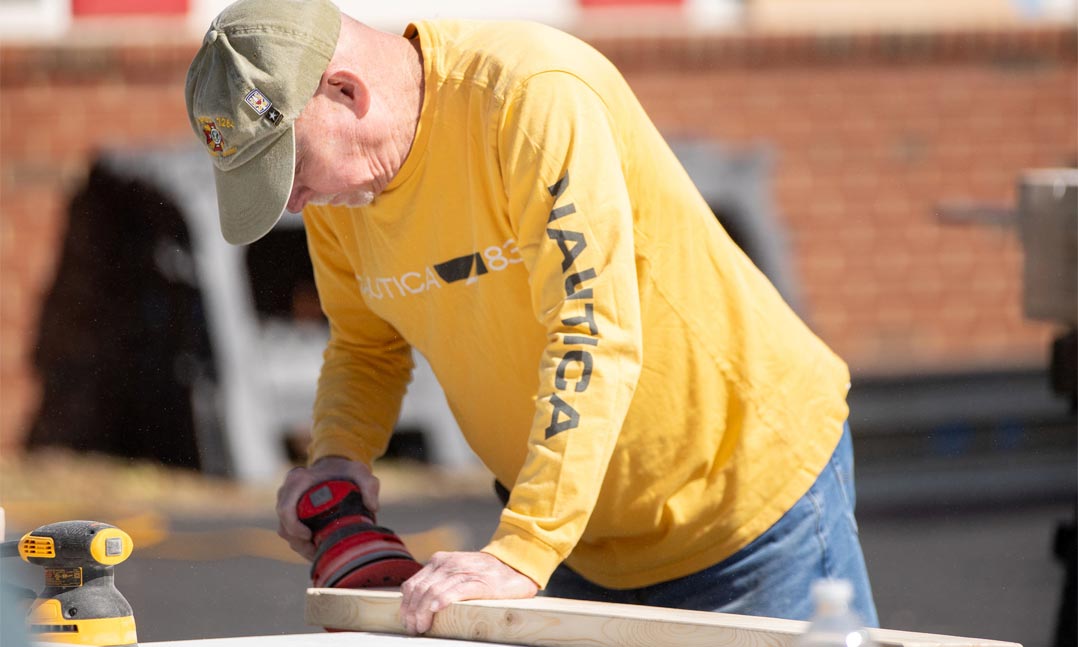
833,624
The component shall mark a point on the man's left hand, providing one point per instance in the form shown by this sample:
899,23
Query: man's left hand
453,577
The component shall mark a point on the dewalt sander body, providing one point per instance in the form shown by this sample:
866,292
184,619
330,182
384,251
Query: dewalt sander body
80,603
352,551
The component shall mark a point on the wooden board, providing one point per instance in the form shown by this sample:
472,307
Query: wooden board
572,623
338,639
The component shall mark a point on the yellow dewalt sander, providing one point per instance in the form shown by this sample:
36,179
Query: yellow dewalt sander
80,603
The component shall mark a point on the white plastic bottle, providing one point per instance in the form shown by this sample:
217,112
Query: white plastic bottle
834,623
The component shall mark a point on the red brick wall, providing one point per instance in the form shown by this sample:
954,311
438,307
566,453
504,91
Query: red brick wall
871,134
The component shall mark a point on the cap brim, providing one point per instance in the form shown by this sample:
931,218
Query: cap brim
252,197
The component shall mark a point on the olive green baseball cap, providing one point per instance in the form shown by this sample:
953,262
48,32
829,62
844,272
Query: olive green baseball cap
259,64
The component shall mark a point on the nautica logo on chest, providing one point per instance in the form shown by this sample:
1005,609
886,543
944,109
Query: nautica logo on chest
467,268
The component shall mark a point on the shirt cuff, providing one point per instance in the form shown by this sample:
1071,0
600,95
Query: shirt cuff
524,552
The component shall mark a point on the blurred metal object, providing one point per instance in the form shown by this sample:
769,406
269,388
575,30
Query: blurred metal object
1048,229
1046,219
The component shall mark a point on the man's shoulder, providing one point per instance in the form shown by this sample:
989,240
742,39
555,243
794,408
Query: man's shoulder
510,52
498,36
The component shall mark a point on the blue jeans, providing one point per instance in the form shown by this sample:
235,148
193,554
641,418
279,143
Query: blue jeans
816,538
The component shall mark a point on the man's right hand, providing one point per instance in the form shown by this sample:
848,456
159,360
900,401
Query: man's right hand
291,529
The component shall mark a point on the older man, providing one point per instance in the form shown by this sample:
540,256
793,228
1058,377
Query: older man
494,196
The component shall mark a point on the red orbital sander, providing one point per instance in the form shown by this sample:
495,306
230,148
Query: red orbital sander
353,552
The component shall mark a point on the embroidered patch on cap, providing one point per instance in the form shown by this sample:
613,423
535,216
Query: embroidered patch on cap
215,141
258,101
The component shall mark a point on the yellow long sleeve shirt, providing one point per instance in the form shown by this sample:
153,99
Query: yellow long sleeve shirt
607,350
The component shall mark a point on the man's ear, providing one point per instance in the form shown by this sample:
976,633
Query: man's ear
345,87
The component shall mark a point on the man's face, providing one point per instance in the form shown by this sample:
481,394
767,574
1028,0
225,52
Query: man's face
327,169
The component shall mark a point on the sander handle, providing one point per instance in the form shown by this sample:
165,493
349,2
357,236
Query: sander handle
324,503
